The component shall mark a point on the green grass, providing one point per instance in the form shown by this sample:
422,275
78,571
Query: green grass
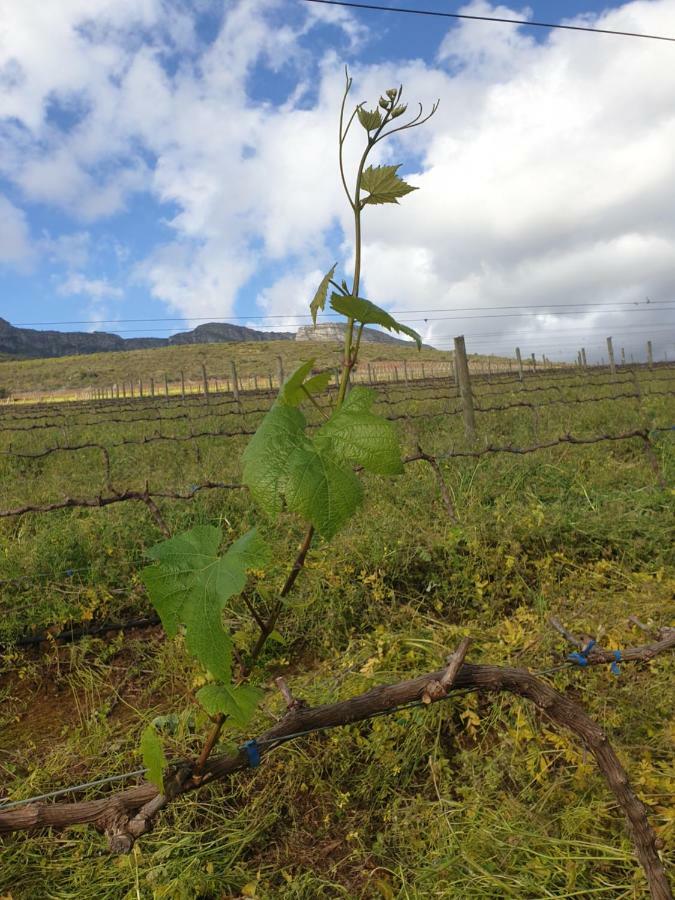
477,797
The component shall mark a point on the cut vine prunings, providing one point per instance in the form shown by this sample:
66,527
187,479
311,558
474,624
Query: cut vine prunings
153,757
369,314
238,701
319,300
384,185
191,585
358,436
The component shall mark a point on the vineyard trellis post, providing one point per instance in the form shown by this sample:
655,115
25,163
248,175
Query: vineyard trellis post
166,386
464,380
623,356
205,383
520,363
610,354
534,364
182,384
280,370
235,381
584,362
650,355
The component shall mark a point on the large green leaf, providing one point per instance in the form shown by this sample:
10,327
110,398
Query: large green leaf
280,433
191,585
319,300
153,757
383,184
321,490
280,461
369,314
358,436
236,701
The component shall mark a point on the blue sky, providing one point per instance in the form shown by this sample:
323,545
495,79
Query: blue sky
163,160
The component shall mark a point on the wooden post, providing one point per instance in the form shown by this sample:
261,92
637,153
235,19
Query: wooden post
124,389
280,370
423,376
370,375
182,384
205,383
117,391
235,381
650,355
583,358
140,387
269,378
337,377
255,382
405,374
152,387
520,363
396,374
623,356
166,386
610,353
131,388
465,388
455,373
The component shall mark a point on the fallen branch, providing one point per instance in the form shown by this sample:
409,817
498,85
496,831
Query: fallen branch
128,814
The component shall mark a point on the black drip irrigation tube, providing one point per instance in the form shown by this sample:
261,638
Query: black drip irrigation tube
75,632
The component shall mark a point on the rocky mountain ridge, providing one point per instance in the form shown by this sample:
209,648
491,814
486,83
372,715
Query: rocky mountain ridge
29,343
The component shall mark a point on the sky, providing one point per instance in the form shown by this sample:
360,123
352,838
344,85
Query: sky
167,162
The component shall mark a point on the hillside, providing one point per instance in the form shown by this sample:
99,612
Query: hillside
72,373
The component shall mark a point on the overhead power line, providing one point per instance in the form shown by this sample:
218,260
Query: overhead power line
577,308
526,22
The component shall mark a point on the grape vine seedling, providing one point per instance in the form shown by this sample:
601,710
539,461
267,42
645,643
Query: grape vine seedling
284,467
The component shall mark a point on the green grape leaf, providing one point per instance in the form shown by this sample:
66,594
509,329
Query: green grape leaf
153,757
369,314
192,584
384,185
321,490
280,433
317,383
295,389
238,701
358,436
369,120
319,300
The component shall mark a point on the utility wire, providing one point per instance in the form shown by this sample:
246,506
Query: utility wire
530,24
398,312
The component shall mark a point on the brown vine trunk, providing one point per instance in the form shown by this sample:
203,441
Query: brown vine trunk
128,814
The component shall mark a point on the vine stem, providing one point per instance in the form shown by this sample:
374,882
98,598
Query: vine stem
266,629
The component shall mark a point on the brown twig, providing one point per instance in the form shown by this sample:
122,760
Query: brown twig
442,486
130,812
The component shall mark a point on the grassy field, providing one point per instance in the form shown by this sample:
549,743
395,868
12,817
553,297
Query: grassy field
69,375
477,797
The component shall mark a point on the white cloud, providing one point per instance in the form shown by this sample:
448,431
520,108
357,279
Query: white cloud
15,245
546,177
96,288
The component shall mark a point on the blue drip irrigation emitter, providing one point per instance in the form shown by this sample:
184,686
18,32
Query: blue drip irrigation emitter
581,657
614,668
253,753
